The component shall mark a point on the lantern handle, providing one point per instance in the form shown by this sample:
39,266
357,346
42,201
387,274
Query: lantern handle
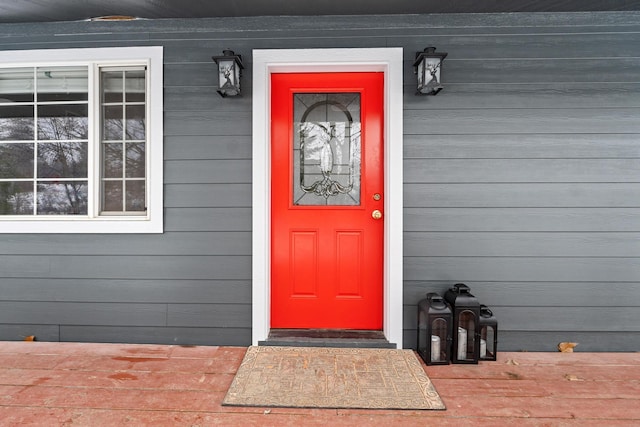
461,288
485,311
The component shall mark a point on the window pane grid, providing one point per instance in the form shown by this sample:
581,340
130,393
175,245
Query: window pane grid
43,141
123,141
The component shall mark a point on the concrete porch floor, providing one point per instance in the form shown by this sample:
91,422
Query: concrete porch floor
69,384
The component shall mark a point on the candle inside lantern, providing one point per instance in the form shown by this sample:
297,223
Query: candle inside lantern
483,348
462,343
435,348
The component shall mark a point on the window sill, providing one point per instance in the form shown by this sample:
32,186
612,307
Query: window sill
102,225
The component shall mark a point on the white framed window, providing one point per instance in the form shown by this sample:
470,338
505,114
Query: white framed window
81,138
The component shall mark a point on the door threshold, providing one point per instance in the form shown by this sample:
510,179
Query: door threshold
341,338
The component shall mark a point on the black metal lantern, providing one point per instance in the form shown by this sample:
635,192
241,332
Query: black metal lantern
434,330
466,329
229,72
428,65
488,334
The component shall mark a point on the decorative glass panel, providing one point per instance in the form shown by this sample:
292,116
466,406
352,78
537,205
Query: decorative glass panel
327,154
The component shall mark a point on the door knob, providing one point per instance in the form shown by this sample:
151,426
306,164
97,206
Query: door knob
376,214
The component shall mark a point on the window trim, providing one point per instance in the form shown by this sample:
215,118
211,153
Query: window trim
96,58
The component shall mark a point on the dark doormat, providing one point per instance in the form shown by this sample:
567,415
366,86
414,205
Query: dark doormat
314,377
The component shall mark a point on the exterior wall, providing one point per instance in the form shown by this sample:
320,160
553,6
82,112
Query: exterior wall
521,180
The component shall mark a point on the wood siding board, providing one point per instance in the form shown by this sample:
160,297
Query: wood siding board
523,195
205,97
152,267
521,244
145,291
540,269
226,147
523,146
526,95
167,244
207,219
47,332
207,195
202,123
528,121
209,315
603,219
207,171
521,170
78,313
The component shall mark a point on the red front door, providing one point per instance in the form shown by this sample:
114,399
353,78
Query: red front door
327,200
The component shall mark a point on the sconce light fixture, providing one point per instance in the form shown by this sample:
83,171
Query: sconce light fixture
229,72
428,65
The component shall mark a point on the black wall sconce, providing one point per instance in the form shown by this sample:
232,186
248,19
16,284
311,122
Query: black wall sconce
428,65
229,72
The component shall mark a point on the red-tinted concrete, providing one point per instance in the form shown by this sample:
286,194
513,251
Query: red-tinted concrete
66,384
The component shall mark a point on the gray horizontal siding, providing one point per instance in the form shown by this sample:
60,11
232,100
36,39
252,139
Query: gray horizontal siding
522,244
178,244
524,146
523,195
521,170
506,268
92,313
144,291
520,179
524,219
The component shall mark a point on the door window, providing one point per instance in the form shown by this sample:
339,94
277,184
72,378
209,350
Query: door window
327,160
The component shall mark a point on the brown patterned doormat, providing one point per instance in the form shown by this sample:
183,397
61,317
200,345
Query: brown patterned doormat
314,377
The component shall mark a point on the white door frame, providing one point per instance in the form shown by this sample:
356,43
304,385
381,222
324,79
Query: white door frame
267,61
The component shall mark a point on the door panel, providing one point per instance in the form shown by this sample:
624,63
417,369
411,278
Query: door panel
327,168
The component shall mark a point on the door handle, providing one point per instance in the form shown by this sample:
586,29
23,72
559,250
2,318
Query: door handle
376,214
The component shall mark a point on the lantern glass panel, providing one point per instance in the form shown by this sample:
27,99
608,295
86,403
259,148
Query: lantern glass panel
439,340
228,76
432,71
487,340
466,335
421,82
